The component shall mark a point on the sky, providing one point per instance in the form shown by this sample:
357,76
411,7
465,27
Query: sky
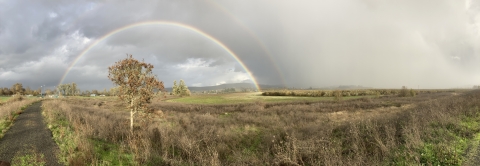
371,43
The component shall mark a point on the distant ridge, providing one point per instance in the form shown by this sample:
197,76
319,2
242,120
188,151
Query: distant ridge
226,86
252,87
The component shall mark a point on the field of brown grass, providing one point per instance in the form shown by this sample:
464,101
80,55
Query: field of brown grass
386,130
356,92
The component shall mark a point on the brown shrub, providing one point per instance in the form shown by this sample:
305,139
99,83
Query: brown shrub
15,98
296,133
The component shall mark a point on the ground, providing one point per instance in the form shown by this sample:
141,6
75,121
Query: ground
250,129
3,98
29,134
236,98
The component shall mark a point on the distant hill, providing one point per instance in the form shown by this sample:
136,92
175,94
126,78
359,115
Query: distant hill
347,87
227,86
252,87
219,87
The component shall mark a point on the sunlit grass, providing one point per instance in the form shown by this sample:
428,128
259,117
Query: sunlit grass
235,98
4,98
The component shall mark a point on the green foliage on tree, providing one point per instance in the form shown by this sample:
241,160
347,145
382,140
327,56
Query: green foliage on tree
73,89
413,93
404,92
68,89
337,94
183,89
17,88
175,88
136,84
180,89
113,91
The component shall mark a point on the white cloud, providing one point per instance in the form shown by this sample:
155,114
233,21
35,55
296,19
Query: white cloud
52,15
315,43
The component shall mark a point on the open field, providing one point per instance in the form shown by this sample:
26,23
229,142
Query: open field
356,92
4,98
431,128
238,98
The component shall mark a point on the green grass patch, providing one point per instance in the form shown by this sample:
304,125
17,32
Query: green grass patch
453,142
111,154
63,135
4,98
31,158
236,98
70,144
449,142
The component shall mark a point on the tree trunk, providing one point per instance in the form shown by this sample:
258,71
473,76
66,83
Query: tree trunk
131,115
131,120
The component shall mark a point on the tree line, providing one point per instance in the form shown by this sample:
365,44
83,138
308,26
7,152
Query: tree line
70,89
18,88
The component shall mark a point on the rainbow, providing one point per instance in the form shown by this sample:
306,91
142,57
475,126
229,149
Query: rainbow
251,34
168,23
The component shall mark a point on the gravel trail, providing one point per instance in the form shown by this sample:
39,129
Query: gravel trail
28,133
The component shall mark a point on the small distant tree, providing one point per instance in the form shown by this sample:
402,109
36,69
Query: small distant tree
28,91
73,89
136,84
39,91
7,91
404,92
413,93
183,89
175,88
63,88
48,92
337,95
18,88
113,91
87,93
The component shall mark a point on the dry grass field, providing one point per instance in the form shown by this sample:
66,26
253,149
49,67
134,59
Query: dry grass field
430,128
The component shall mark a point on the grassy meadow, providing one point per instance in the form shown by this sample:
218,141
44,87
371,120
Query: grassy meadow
238,98
4,98
247,129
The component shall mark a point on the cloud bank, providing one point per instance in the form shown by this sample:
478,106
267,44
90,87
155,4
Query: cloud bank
382,44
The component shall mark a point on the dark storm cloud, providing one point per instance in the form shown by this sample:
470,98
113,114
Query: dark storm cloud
31,30
373,43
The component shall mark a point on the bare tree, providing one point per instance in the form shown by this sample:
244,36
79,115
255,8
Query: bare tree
136,84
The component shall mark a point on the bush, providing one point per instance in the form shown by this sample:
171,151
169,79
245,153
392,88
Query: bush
16,97
404,92
338,95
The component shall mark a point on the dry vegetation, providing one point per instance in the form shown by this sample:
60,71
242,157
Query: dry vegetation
358,92
10,109
431,128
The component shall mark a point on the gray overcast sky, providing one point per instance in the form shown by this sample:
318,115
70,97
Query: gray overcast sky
375,43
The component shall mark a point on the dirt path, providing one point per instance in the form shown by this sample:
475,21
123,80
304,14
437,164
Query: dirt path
29,133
